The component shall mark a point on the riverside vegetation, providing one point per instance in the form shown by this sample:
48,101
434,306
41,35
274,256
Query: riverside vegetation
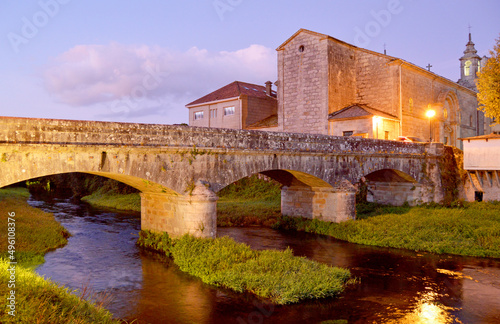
39,300
278,276
462,228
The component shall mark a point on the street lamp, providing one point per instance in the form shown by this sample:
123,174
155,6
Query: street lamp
429,114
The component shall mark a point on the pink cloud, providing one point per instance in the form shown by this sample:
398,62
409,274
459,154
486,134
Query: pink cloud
92,74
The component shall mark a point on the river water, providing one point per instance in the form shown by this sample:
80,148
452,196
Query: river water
393,286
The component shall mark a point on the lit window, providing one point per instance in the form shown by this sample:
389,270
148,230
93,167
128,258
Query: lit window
411,105
213,113
445,113
467,68
386,135
478,66
198,115
347,133
228,111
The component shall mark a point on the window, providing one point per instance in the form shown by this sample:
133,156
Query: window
347,133
478,66
445,113
446,140
301,48
467,68
213,113
410,105
228,111
470,120
198,115
386,135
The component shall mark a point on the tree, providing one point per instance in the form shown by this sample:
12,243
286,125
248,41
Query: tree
488,85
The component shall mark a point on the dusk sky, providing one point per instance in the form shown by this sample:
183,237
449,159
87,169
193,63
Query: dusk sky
143,61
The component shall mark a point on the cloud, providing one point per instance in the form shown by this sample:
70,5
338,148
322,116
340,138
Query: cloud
144,76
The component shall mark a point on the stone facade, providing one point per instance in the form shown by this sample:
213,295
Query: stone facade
302,102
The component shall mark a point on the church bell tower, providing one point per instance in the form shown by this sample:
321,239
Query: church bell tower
470,64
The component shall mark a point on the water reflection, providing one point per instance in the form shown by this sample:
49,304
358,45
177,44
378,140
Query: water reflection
395,286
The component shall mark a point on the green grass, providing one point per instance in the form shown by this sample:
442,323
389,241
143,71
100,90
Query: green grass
37,232
247,212
249,202
38,300
114,200
41,301
275,275
472,230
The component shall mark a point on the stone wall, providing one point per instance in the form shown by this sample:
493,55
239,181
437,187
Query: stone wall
195,214
327,204
394,193
341,76
377,82
423,90
302,77
485,182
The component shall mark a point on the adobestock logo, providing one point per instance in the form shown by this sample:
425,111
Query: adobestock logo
223,6
381,19
139,94
31,27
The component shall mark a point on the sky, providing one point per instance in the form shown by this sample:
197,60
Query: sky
143,61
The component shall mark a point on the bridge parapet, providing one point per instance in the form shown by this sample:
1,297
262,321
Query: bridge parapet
54,131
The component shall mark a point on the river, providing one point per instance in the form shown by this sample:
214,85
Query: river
394,286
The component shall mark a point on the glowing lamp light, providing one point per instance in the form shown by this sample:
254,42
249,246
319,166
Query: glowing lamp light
430,113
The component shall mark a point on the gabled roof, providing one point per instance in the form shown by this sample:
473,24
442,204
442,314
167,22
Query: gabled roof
302,30
234,90
359,111
271,121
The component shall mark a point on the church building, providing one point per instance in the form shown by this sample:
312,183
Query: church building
327,86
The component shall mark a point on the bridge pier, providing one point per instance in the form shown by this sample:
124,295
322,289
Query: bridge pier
194,213
331,204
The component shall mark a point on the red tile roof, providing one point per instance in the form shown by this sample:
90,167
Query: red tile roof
234,90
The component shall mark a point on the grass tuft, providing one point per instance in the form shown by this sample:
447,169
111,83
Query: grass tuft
110,199
276,275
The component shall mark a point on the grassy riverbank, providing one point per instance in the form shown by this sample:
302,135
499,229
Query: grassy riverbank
37,300
472,230
114,200
275,275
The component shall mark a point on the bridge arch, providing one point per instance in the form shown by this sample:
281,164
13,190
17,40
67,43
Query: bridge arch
391,187
135,182
306,195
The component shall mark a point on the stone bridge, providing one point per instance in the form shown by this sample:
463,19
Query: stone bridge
180,169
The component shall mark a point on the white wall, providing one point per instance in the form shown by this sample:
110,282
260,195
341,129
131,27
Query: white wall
481,154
